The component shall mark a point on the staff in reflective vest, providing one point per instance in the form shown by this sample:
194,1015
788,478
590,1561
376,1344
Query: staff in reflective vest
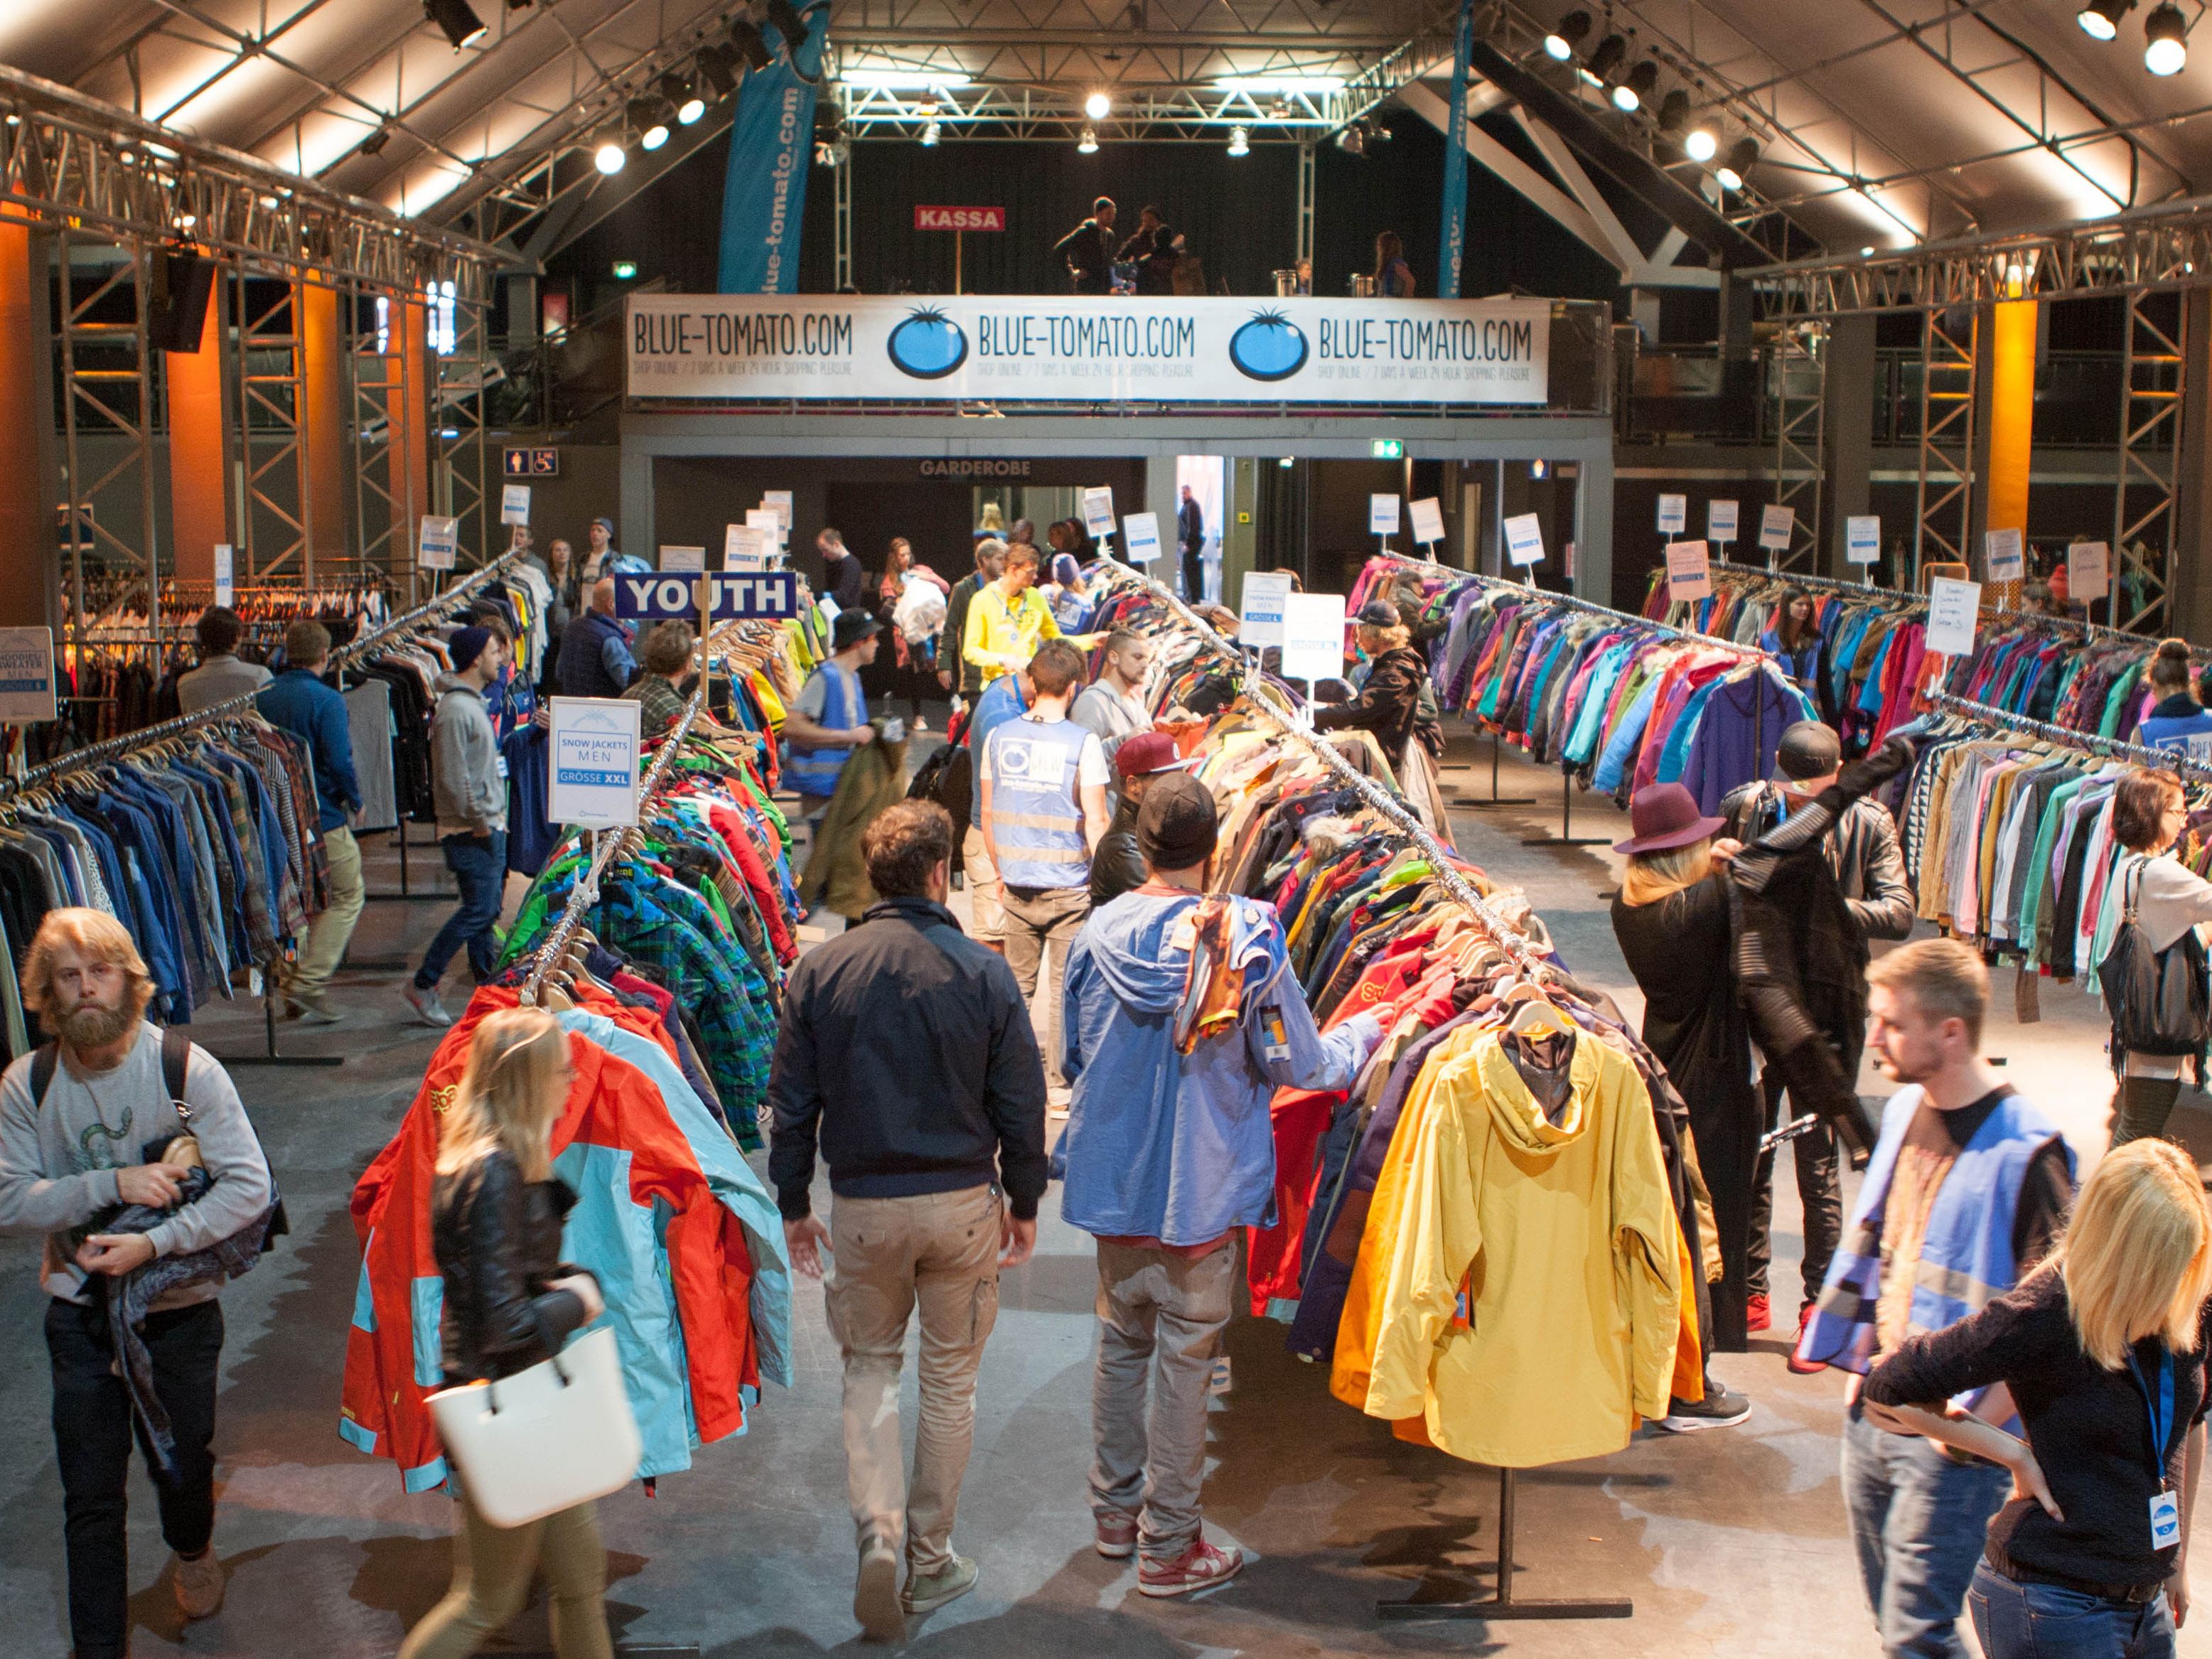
831,719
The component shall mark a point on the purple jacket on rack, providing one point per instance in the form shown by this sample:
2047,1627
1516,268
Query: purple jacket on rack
1738,733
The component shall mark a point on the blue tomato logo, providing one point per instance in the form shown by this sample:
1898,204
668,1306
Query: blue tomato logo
928,345
1268,348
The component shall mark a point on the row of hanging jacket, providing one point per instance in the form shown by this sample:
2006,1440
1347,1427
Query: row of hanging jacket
644,948
1618,701
1516,1310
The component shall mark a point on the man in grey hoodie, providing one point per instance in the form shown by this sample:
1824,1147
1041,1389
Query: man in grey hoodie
468,781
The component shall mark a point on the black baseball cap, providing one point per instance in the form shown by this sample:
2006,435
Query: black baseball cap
1808,749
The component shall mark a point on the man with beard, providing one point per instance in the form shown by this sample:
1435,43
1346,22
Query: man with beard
69,1154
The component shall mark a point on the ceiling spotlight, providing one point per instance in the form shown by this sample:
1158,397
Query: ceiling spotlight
1539,469
1096,105
2100,19
460,24
375,144
929,136
1240,142
1628,97
269,201
1607,59
746,37
678,90
1730,178
1674,111
1353,141
1701,145
788,24
625,270
1742,155
649,117
1088,144
1867,252
1561,42
186,221
717,68
2165,40
609,153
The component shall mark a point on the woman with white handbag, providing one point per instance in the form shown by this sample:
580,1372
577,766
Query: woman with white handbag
510,1304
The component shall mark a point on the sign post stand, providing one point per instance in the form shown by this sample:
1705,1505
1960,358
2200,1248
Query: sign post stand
1383,520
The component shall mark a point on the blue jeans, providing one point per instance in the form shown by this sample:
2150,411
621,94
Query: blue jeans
1918,1521
2048,1621
479,866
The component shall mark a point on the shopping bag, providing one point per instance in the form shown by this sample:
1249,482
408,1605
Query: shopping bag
545,1439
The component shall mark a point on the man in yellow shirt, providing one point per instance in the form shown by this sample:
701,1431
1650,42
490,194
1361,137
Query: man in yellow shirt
1008,619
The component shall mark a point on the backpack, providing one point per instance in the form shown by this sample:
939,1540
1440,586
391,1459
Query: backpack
2161,1001
176,1056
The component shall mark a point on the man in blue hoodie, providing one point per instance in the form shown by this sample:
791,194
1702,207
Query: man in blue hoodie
1180,1019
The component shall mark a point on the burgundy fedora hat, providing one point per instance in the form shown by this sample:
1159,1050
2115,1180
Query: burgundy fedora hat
1662,815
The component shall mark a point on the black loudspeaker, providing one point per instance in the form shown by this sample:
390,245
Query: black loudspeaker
183,284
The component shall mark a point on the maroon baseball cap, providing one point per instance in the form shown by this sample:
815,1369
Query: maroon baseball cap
1142,753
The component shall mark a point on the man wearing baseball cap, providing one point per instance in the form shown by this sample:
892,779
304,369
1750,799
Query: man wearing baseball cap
831,719
468,781
1862,850
1182,1019
1118,864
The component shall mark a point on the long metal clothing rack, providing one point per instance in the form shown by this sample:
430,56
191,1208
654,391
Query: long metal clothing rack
2086,742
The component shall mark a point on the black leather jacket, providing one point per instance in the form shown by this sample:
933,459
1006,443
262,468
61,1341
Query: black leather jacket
1116,865
497,1238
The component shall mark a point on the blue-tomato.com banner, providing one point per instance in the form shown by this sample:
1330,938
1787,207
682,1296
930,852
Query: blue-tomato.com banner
725,348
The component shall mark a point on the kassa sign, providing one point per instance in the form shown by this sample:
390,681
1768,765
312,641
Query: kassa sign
958,218
733,347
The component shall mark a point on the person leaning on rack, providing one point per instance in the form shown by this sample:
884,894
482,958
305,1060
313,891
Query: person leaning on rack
1390,702
2102,1348
2170,904
1965,1192
468,781
664,660
223,673
301,703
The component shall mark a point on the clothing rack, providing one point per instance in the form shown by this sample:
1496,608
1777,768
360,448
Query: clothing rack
2084,742
1566,837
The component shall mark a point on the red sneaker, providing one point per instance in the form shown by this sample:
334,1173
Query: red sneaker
1117,1537
1757,1315
1804,1367
1200,1567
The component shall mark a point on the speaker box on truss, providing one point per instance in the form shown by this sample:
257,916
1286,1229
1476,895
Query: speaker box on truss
183,282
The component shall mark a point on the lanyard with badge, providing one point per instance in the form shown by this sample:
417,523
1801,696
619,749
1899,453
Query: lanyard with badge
2164,1507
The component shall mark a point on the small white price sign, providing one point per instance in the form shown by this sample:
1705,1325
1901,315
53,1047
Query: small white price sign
1098,511
1524,539
1382,515
1863,538
1776,526
436,542
1954,608
226,566
1719,521
1428,520
683,561
514,504
1674,514
2004,555
2088,572
1689,571
1140,537
1260,623
1313,636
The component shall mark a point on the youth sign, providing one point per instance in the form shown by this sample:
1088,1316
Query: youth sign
1087,349
771,595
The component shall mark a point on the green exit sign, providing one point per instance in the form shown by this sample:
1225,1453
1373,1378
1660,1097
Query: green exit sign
1387,449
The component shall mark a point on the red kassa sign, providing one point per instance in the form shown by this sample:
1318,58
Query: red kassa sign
959,218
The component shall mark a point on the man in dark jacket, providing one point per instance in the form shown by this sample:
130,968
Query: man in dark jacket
1089,249
1118,864
1391,699
990,565
1862,849
905,1046
595,653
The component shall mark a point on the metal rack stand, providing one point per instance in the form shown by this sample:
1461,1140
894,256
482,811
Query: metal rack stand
1503,1603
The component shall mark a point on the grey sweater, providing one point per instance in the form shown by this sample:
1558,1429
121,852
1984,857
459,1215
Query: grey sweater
57,1162
465,780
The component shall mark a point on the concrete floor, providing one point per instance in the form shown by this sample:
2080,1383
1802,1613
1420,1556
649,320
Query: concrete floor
1730,1542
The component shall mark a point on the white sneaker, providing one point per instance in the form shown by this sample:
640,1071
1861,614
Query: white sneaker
427,1005
199,1584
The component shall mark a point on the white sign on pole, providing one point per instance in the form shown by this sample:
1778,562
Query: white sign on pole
1719,521
778,501
1524,539
1382,515
27,674
747,548
1689,571
1140,537
1098,511
1863,538
226,564
592,781
1086,350
1674,514
2004,555
1261,622
514,504
1953,610
436,542
763,518
2088,572
1428,520
1775,525
1313,636
683,561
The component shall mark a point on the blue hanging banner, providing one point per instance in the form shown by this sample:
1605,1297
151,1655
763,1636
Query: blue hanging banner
771,147
1452,244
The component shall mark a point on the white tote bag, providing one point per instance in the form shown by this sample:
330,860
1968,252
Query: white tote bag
545,1439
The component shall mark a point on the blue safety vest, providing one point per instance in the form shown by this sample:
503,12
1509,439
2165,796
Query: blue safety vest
814,771
1036,815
